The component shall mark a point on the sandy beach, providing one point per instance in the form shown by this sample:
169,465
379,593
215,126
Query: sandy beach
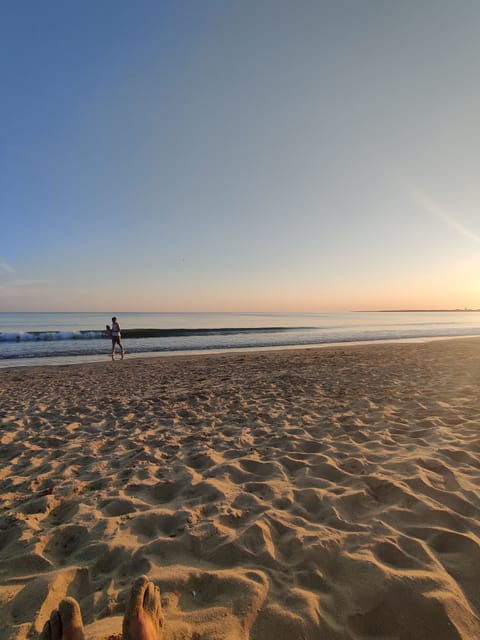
300,494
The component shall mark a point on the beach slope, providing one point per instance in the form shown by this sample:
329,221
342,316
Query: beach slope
302,494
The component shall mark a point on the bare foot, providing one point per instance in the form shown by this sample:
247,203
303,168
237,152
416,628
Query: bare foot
143,616
65,623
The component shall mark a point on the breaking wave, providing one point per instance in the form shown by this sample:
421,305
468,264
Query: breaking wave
49,336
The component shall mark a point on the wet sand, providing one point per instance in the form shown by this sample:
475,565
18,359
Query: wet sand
317,493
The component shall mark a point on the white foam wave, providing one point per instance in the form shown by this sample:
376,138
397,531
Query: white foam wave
47,336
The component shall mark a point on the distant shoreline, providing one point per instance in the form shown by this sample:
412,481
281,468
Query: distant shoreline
418,311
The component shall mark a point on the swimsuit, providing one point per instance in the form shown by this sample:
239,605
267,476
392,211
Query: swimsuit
115,333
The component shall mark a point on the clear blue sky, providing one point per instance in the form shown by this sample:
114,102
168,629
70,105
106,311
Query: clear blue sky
239,155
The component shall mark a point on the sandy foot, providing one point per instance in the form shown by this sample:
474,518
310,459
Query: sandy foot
143,616
65,623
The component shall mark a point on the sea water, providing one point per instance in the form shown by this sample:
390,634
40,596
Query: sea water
53,338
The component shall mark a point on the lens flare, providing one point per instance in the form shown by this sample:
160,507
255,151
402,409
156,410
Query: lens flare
427,203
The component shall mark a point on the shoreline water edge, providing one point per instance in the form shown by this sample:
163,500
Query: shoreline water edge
27,339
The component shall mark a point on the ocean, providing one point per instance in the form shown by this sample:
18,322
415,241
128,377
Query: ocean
28,339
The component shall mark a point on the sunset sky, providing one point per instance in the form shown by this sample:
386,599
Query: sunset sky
241,155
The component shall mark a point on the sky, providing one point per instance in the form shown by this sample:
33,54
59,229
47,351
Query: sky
239,155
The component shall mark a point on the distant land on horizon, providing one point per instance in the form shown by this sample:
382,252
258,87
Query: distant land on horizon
417,310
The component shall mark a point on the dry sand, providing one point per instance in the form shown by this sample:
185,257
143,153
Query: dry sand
311,494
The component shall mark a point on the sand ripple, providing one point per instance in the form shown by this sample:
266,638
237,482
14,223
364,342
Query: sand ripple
298,494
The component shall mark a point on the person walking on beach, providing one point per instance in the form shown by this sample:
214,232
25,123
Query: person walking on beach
116,337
